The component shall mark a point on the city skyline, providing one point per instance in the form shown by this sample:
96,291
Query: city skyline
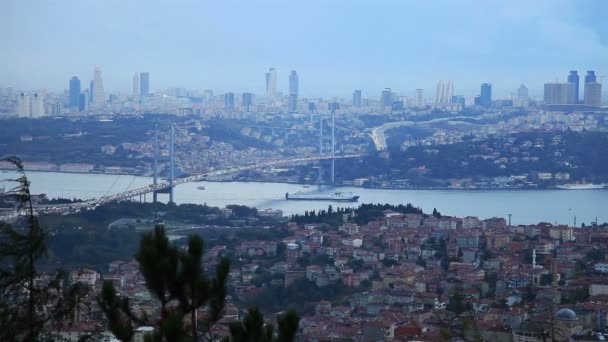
526,43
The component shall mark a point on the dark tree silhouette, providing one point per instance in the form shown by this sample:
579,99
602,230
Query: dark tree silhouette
254,329
27,307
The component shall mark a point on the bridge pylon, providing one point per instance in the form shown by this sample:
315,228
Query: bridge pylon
168,190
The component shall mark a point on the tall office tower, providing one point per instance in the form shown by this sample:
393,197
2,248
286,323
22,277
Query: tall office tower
522,92
357,98
271,82
74,92
144,84
83,101
136,85
37,106
449,91
90,93
558,93
24,105
99,97
229,101
440,93
485,98
386,98
573,79
419,98
247,101
593,94
293,92
590,77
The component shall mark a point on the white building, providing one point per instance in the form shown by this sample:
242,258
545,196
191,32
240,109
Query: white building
136,85
99,97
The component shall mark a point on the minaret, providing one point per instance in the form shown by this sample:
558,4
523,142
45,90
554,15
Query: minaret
534,258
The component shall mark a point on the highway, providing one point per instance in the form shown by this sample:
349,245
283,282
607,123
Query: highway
378,134
92,203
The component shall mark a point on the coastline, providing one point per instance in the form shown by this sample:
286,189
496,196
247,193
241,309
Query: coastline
324,185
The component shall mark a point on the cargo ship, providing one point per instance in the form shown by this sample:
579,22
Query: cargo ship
336,196
582,186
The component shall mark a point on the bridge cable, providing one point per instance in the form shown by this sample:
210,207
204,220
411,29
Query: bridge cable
111,186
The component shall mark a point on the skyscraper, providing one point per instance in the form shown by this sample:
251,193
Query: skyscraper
485,98
419,98
247,101
37,106
144,84
99,97
83,101
24,105
74,92
293,92
440,93
386,98
522,92
136,85
271,82
558,93
574,80
593,94
590,77
229,101
357,98
449,92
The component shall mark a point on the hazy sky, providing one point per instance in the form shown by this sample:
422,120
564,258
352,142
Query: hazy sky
336,46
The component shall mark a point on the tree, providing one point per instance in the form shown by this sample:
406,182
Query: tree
26,307
254,329
175,277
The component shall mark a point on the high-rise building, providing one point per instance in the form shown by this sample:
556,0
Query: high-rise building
293,92
449,91
99,97
485,97
386,98
74,92
357,98
271,82
419,98
90,92
144,84
590,77
136,85
83,101
440,93
247,101
37,106
593,94
24,105
558,93
522,92
574,80
229,101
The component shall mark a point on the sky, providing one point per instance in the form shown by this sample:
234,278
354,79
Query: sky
336,46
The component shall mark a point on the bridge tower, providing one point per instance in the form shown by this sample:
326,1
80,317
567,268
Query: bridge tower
333,106
320,177
155,165
169,190
171,164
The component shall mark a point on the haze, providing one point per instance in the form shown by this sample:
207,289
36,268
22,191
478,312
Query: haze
336,46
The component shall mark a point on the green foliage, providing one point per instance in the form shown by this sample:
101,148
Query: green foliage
21,299
254,329
595,254
174,276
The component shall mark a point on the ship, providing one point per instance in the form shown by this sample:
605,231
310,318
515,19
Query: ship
581,186
200,187
336,196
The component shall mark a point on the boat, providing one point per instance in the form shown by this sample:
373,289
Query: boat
200,187
581,186
336,196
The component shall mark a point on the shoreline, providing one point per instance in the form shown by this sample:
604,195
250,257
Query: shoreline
315,185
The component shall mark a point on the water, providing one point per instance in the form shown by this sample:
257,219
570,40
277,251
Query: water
529,206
